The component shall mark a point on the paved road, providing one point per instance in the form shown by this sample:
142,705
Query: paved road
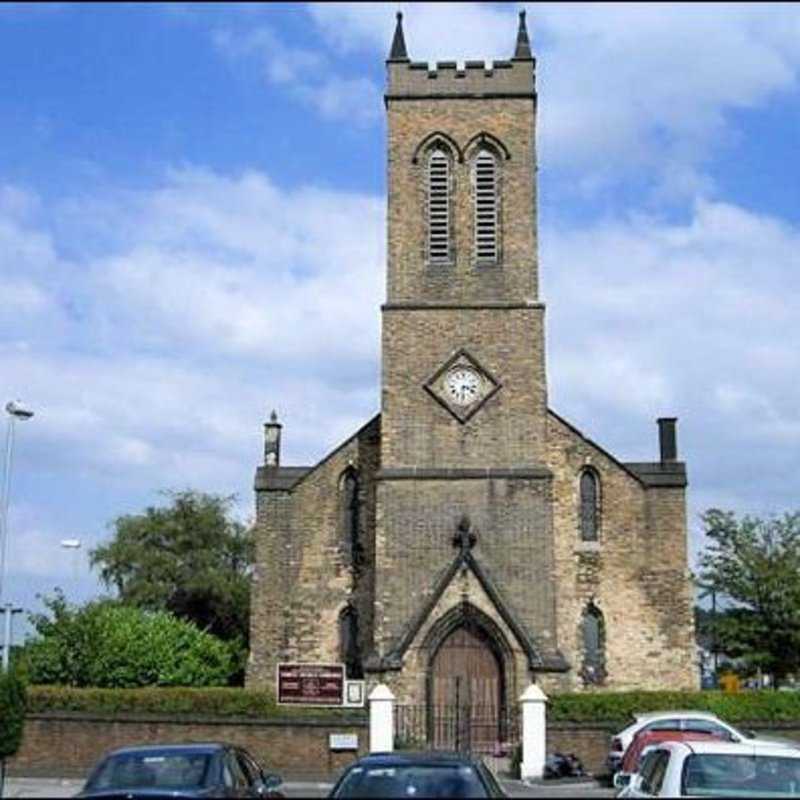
54,787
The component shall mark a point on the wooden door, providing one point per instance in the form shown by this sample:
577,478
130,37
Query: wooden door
465,691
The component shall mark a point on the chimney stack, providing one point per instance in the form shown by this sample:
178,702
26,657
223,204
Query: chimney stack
272,441
666,439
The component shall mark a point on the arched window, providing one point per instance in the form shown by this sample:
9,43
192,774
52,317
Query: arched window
438,189
593,636
589,506
349,510
349,650
486,207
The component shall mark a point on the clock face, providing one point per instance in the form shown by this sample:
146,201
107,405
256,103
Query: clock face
463,385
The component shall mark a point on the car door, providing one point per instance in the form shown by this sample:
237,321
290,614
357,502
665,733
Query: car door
236,781
253,772
649,781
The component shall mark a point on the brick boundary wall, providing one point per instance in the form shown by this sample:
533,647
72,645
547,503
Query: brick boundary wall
67,744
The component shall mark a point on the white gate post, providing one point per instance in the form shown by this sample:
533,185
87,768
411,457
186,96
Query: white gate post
533,732
381,719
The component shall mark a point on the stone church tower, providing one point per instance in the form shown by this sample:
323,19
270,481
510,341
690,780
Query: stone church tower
468,539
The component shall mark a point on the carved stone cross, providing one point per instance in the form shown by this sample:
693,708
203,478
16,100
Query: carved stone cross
464,538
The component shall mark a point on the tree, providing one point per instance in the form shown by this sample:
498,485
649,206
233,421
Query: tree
12,717
755,564
189,558
106,644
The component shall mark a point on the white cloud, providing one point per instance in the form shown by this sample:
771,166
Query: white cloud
625,90
648,318
306,74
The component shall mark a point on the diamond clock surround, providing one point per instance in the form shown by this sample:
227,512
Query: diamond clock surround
462,385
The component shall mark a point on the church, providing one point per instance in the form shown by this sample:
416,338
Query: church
468,539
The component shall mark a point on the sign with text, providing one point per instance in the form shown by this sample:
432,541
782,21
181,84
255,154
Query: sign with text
311,684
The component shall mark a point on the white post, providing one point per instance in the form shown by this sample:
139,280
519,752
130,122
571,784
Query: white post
381,719
533,733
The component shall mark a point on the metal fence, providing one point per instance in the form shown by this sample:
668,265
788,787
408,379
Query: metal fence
486,732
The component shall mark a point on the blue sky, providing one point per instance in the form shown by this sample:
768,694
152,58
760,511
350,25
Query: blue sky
192,232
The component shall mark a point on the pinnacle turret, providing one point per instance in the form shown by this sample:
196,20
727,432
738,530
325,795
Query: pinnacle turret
398,51
523,49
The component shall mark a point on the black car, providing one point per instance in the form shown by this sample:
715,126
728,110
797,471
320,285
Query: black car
180,770
412,774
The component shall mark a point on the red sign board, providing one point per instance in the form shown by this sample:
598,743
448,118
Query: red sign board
311,684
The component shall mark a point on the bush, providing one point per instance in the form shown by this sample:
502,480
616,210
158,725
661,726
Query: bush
105,644
12,717
12,711
216,702
619,707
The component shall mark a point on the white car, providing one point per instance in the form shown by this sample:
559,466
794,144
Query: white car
702,721
716,769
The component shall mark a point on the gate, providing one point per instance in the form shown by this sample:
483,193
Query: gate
485,732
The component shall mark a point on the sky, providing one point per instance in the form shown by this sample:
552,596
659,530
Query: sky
192,233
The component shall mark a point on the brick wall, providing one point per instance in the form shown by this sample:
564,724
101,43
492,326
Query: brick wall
68,744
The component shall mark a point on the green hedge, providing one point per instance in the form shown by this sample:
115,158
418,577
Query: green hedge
764,706
215,702
611,707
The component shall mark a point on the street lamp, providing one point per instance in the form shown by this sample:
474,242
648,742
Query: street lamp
16,411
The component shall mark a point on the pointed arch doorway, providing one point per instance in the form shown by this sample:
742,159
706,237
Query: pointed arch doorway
466,689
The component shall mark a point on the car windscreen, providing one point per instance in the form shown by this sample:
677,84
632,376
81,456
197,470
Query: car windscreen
161,770
741,775
417,780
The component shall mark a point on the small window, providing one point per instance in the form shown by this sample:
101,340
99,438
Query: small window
589,506
485,185
349,649
593,670
349,511
439,251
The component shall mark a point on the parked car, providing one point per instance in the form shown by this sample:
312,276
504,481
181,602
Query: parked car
717,769
180,771
702,721
644,742
417,774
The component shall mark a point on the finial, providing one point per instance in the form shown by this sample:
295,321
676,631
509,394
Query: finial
398,51
273,417
464,539
523,50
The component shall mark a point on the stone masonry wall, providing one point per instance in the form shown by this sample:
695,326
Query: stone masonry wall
303,574
507,431
410,277
635,573
415,526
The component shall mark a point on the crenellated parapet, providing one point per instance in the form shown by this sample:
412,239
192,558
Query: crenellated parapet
408,79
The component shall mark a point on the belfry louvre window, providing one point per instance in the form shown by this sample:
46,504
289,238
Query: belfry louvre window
485,182
438,208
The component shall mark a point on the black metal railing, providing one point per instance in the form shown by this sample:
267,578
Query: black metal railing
475,729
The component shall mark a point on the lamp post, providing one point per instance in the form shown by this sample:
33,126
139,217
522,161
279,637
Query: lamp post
16,411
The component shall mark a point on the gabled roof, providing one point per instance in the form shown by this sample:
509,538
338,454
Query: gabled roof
277,479
654,474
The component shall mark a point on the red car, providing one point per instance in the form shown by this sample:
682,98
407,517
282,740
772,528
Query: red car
644,739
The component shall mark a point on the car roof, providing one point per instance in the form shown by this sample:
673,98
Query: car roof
192,747
398,758
648,715
734,748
